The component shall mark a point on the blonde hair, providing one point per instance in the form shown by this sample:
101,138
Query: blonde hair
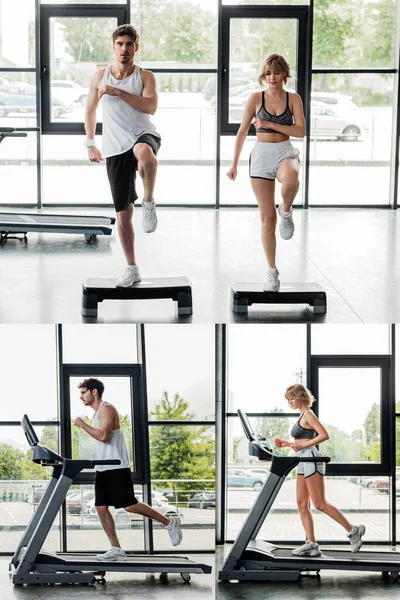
298,390
274,61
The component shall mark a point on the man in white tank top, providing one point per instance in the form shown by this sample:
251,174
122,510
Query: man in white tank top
130,140
113,484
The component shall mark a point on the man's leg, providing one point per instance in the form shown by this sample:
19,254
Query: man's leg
108,524
126,233
147,511
173,525
147,167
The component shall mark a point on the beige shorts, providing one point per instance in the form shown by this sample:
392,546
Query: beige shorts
308,468
266,157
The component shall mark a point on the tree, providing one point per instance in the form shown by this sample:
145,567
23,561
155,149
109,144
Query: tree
10,462
86,40
274,427
372,425
179,451
336,24
380,40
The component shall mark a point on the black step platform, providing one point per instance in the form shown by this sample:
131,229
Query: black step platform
176,288
245,294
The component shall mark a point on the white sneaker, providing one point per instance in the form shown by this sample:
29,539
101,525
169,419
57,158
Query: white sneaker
307,549
272,283
113,554
130,276
355,536
286,226
149,216
175,531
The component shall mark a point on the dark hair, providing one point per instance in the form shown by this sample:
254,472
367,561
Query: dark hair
126,30
91,383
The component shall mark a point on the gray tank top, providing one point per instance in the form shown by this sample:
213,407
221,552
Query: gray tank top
286,118
301,433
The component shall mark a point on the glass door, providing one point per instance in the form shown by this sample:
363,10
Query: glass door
249,35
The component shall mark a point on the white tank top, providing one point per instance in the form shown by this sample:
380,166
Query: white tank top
123,125
114,448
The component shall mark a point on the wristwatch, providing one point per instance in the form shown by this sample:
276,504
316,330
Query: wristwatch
90,143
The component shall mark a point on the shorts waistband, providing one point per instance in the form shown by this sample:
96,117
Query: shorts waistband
274,144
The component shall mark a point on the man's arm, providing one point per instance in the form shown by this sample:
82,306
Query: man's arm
106,422
92,103
146,103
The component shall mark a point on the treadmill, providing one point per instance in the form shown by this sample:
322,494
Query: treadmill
12,224
251,559
31,566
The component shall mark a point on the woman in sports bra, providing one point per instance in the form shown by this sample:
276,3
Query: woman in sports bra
307,432
276,115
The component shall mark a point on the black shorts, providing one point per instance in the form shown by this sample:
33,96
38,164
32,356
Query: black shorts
121,172
114,488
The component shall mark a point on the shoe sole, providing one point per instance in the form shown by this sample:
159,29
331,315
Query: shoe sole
127,286
121,559
312,555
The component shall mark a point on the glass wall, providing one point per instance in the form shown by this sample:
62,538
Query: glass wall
261,362
180,379
352,100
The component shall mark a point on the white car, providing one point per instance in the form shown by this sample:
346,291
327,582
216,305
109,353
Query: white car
69,91
342,125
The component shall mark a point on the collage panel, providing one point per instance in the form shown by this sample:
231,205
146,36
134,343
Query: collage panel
107,460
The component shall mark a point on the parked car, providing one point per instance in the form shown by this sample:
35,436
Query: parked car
69,91
334,100
242,478
325,122
382,485
234,82
202,500
76,501
36,495
18,97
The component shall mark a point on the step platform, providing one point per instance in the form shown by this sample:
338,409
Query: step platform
177,288
245,294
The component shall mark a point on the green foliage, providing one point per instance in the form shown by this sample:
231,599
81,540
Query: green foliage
180,452
336,23
372,424
86,40
379,51
273,428
10,462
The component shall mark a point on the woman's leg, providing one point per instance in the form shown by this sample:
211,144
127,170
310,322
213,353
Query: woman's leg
288,175
264,191
303,503
316,488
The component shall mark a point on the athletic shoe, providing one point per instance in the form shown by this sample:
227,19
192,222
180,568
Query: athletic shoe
355,536
286,227
307,549
149,217
174,530
130,276
272,283
114,554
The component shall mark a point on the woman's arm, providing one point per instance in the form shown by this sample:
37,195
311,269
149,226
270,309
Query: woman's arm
241,135
298,130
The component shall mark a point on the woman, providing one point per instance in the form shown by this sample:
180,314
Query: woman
276,115
307,432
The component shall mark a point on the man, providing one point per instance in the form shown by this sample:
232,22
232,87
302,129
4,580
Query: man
113,484
130,140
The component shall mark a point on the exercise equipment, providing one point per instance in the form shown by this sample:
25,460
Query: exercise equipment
13,224
254,560
31,566
244,295
176,288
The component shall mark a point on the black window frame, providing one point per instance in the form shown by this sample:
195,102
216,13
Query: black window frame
47,11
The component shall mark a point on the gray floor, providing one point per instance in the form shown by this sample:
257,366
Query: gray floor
330,585
118,587
352,253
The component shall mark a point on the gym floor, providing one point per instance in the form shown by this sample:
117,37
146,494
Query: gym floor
352,253
119,586
331,585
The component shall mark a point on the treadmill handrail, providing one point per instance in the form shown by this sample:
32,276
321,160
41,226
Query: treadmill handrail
110,461
315,459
